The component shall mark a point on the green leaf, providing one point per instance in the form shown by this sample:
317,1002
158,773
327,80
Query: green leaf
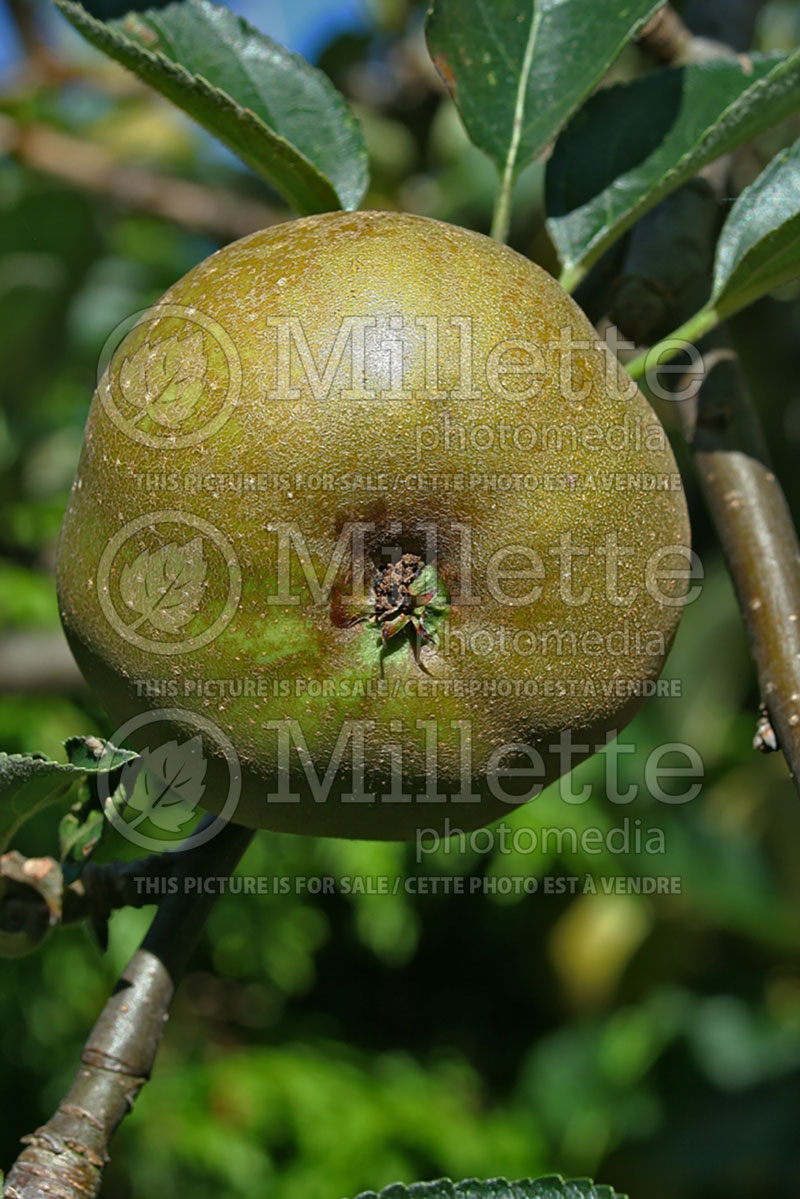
496,1188
518,69
82,827
79,833
30,782
283,117
759,248
609,165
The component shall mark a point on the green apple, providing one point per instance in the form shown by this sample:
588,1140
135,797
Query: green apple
366,507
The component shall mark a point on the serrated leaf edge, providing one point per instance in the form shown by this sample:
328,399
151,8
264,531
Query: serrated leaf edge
606,237
312,182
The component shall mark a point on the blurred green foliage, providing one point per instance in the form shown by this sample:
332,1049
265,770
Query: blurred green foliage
327,1044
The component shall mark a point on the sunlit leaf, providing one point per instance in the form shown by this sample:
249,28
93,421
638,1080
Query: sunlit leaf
518,69
30,782
282,116
633,143
759,248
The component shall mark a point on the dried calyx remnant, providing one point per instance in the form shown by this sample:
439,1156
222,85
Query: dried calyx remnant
392,599
405,592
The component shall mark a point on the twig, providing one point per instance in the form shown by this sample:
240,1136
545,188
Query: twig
698,35
34,897
36,661
38,53
668,253
721,426
665,37
64,1159
755,528
90,167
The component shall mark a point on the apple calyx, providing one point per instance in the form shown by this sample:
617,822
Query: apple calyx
405,595
407,591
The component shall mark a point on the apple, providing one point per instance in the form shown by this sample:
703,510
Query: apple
368,517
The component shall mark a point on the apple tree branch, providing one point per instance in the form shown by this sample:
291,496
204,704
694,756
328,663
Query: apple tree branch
64,1158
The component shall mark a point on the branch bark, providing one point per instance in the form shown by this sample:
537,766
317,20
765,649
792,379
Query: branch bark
38,53
34,897
37,661
665,38
755,528
721,426
92,168
706,30
64,1159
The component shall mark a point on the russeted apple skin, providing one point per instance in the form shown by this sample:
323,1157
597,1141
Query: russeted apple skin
321,269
